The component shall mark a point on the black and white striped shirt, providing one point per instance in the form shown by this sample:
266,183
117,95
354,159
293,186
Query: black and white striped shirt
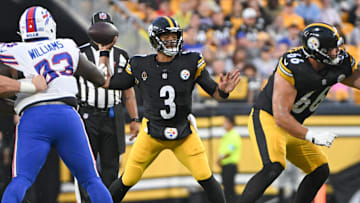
99,97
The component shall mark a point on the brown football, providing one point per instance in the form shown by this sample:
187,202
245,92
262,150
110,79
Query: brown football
103,32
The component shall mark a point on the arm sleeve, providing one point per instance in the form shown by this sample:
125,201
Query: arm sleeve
203,77
123,80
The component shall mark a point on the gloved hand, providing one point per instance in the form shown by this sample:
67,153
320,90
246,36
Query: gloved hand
320,138
191,118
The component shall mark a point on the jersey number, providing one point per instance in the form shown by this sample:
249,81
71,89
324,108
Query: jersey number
44,67
305,101
170,91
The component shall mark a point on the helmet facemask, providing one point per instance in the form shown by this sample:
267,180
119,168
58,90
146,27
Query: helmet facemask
160,27
170,47
320,40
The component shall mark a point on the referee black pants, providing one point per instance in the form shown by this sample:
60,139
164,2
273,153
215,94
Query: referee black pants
100,128
228,180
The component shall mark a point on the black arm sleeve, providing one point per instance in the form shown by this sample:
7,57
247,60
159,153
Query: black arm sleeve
121,81
5,70
206,82
88,71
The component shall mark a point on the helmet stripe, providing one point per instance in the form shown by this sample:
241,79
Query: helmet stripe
326,26
169,21
30,20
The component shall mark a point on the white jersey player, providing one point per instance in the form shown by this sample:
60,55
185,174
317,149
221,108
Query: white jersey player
48,118
55,59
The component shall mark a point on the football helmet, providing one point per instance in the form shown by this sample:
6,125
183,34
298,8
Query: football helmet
318,39
162,25
35,23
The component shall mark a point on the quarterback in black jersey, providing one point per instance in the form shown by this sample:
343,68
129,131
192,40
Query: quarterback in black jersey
166,80
298,85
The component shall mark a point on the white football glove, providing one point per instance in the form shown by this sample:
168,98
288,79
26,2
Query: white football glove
320,138
191,118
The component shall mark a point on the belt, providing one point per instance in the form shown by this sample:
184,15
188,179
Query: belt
41,104
93,108
47,103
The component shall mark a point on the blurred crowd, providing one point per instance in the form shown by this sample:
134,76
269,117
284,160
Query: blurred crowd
251,35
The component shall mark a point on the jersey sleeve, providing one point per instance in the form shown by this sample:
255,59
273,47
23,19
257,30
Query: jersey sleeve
123,80
202,76
284,71
353,64
12,55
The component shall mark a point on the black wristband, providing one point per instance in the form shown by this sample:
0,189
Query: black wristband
135,119
223,94
105,53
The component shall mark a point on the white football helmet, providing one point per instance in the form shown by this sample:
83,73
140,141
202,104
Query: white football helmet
36,22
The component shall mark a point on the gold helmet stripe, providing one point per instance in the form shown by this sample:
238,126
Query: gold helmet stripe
170,21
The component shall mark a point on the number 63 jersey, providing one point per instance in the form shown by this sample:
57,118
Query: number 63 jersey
312,86
166,90
56,60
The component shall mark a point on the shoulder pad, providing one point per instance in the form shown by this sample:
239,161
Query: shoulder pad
293,59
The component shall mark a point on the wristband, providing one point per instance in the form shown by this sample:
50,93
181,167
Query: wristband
27,87
223,94
135,119
105,53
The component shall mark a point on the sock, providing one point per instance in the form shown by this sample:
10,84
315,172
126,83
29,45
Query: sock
118,190
311,183
213,190
257,185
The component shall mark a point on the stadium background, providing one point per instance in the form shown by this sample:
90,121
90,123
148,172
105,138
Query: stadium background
216,28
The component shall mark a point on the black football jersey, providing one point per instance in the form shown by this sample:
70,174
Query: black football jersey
312,86
167,90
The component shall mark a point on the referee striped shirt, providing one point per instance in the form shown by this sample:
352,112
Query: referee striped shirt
99,97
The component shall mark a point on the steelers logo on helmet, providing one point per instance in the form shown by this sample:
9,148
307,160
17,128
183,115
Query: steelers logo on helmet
171,133
185,74
313,43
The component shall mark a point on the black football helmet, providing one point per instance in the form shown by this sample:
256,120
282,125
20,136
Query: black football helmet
318,39
161,25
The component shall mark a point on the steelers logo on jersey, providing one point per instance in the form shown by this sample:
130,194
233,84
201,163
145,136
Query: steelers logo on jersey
185,74
313,43
171,133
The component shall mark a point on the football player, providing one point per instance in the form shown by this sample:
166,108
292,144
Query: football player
166,80
49,118
298,85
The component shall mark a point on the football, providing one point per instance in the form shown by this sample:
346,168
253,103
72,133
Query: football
102,32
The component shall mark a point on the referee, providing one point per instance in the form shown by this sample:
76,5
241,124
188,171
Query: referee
101,110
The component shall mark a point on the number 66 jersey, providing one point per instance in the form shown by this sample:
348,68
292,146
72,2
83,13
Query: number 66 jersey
56,60
312,86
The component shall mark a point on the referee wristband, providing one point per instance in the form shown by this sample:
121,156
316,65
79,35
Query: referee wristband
27,87
105,53
135,119
223,94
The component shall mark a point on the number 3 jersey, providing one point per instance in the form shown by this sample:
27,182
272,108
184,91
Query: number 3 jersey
312,86
166,89
56,60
